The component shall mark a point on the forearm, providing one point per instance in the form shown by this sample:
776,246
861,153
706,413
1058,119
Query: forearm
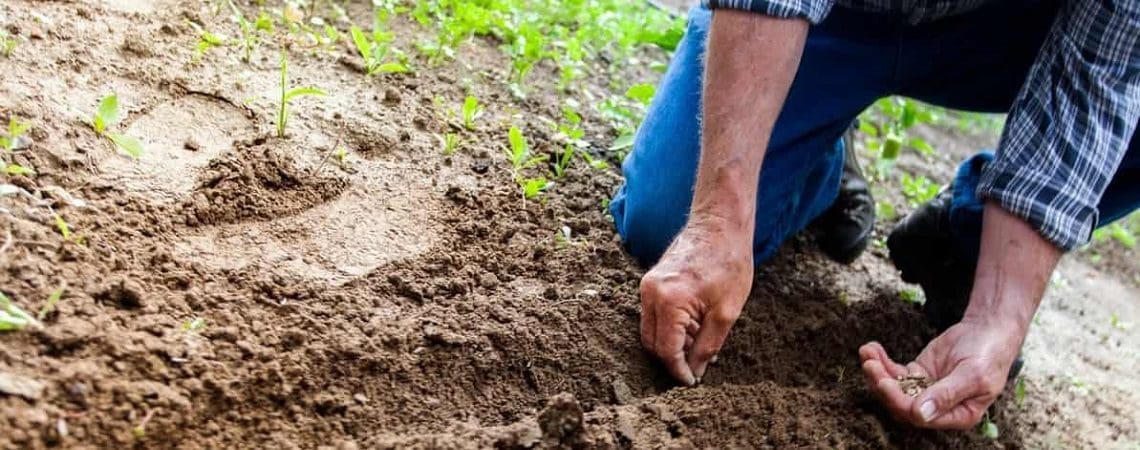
751,62
1014,267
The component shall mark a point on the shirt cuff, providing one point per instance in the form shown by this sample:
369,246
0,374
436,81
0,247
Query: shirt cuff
811,10
1046,202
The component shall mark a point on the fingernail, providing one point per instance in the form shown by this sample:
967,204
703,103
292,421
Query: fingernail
927,410
689,380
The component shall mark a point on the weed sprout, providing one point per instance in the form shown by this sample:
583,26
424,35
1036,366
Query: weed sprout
287,95
471,111
107,116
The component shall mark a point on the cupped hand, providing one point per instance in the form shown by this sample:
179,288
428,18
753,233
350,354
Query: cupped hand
968,364
692,297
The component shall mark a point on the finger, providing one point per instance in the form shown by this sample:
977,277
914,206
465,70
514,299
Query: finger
875,351
886,388
648,322
688,343
670,341
945,404
913,369
713,332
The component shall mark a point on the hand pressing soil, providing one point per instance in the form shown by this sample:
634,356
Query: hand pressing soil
913,385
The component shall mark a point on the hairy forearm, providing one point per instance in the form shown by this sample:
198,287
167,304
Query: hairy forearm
750,64
1014,267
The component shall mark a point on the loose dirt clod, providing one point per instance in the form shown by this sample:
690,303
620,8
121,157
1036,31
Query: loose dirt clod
913,385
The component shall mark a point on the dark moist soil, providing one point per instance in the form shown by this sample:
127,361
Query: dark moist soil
487,332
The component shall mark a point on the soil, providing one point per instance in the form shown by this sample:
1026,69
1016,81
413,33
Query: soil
407,299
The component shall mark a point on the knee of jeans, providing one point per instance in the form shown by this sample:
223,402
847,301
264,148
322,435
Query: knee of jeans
646,227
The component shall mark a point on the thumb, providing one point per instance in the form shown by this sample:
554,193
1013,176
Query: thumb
946,403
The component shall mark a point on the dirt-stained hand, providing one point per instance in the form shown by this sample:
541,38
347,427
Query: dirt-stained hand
968,364
692,297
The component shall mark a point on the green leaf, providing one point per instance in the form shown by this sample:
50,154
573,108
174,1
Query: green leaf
921,145
867,128
518,144
1019,391
642,93
64,229
301,92
891,148
362,44
107,114
16,169
17,128
127,144
471,111
534,186
391,68
989,429
12,317
622,142
51,302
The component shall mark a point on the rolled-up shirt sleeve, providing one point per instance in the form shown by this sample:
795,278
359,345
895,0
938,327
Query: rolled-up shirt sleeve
811,10
1070,125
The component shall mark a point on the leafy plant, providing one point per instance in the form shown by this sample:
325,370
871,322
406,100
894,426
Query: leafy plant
519,152
107,116
16,129
887,124
643,93
471,111
374,49
12,318
532,187
8,44
250,30
563,161
52,300
918,190
288,95
911,296
206,41
10,141
988,428
450,143
1019,391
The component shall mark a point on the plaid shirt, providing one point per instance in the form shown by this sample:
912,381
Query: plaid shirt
1071,123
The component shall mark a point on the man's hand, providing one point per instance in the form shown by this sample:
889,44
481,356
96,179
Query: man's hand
969,362
691,298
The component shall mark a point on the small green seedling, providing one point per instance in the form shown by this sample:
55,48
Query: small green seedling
988,428
65,231
107,116
16,129
251,30
12,318
564,161
206,41
11,141
532,187
918,189
1019,392
911,296
471,111
643,93
519,152
7,44
595,163
287,95
374,50
450,143
52,300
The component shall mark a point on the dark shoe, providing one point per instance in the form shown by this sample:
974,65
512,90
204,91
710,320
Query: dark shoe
924,249
844,230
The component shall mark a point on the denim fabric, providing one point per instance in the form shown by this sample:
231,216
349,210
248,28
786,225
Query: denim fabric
851,59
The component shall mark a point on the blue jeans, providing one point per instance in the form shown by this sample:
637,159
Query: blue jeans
977,61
